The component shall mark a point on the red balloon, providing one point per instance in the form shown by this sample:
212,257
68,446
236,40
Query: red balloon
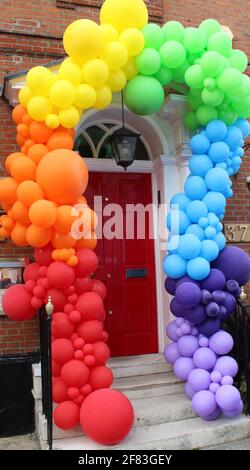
73,298
75,316
29,286
89,361
101,353
75,373
79,355
99,288
17,303
82,285
61,326
62,350
86,390
59,391
60,275
106,416
79,343
39,292
73,393
90,331
36,302
68,308
101,377
70,290
90,305
87,262
58,299
56,369
88,349
79,400
66,415
31,272
43,271
43,255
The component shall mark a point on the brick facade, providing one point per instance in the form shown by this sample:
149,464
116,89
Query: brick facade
31,34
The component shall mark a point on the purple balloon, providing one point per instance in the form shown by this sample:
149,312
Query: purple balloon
188,391
176,308
226,365
219,296
212,310
221,343
234,413
213,415
185,328
206,297
179,321
186,279
204,358
170,285
228,397
210,326
214,281
230,303
222,313
204,403
199,379
171,331
215,376
213,387
232,286
183,367
187,345
188,294
171,353
203,342
195,315
227,380
234,263
194,331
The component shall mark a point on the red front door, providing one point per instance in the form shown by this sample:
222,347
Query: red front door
127,266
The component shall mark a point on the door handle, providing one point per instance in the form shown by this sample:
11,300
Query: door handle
110,312
109,275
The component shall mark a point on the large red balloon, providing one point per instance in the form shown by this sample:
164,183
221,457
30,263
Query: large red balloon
60,275
90,331
43,255
82,285
31,272
56,369
58,299
87,262
99,288
101,353
16,303
106,416
101,377
61,326
75,373
66,415
90,305
59,390
62,350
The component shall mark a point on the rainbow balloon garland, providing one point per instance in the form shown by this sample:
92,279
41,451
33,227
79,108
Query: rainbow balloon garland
47,179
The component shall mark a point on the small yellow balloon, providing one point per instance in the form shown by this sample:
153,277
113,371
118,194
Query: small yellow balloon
95,72
39,107
85,96
70,72
103,97
69,117
130,68
52,121
109,33
24,95
83,40
123,14
39,80
133,40
117,81
115,54
62,94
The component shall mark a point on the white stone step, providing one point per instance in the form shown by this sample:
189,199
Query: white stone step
180,435
138,365
135,386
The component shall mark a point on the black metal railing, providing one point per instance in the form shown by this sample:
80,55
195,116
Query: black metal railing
46,372
238,325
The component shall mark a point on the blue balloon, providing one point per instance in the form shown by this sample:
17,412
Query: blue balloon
219,152
236,161
200,144
219,227
174,266
230,171
213,219
180,200
217,179
210,232
216,130
222,165
198,268
189,246
215,202
196,210
196,230
209,250
244,126
239,152
195,187
227,191
203,222
199,165
220,240
234,137
173,243
177,222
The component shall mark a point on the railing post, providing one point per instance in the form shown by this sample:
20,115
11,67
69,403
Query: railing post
49,310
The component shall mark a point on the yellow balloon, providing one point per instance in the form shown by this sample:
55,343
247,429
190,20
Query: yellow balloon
95,72
39,107
133,40
24,95
115,54
130,68
109,33
52,121
123,14
85,96
117,81
39,80
103,97
83,40
62,93
69,117
71,72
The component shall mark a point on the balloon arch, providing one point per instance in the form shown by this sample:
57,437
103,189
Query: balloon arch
47,179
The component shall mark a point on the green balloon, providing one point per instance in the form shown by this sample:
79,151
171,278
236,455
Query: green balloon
210,83
154,36
229,80
241,92
190,121
173,30
144,95
172,54
148,61
210,27
195,40
194,101
164,75
179,73
227,114
212,63
205,114
192,58
242,108
212,97
238,60
194,77
220,42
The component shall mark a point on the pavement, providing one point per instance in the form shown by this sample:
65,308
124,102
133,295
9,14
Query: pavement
242,444
26,442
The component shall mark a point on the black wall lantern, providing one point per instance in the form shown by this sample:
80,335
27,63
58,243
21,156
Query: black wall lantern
124,143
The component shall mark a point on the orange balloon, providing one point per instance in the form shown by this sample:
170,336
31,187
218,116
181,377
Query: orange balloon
73,261
8,190
18,113
43,213
64,254
23,169
89,243
63,176
56,255
64,219
7,223
4,233
24,149
28,192
29,143
62,240
18,235
23,130
20,212
5,206
64,129
60,140
26,119
11,158
37,236
82,200
39,132
37,152
20,140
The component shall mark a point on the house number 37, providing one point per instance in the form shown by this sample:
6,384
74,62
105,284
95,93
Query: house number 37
237,233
